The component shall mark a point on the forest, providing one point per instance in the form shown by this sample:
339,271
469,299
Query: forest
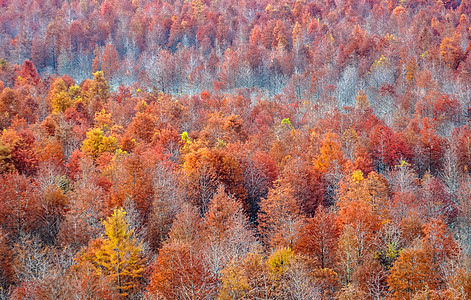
235,149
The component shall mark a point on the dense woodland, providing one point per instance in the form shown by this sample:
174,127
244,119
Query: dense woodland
218,149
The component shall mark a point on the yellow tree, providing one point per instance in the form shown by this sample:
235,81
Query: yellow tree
119,255
59,96
98,143
96,92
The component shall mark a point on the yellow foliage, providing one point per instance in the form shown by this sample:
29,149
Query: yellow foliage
390,37
279,261
234,283
381,62
403,164
75,92
59,96
96,143
103,119
119,255
60,102
98,89
357,176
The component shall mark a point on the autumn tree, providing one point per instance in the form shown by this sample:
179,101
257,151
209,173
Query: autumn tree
59,96
7,272
412,272
6,162
205,169
282,275
319,238
96,92
118,255
109,65
10,106
180,273
226,234
20,206
98,143
361,203
21,142
280,218
167,202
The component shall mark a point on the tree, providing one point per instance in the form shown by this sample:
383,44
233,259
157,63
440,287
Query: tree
96,92
168,201
6,162
97,143
412,272
29,70
358,209
439,243
119,255
87,284
110,61
306,182
206,168
280,218
349,254
180,273
450,52
319,238
19,208
7,272
259,171
10,106
371,277
22,143
329,162
282,275
59,96
226,234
